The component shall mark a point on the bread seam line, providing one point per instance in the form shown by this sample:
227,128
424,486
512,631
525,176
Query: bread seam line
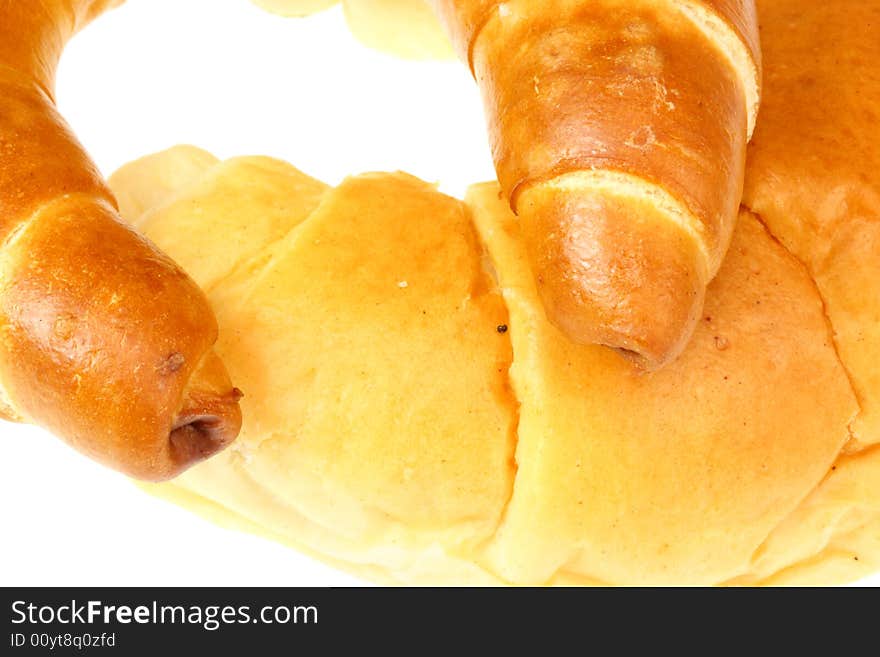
562,571
813,559
22,227
759,549
832,332
851,436
330,529
515,403
825,545
511,295
268,252
24,80
171,198
625,185
513,438
726,40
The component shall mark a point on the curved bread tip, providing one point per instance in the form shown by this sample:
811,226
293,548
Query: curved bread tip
613,270
209,418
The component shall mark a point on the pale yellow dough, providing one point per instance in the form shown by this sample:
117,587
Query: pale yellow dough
410,415
383,406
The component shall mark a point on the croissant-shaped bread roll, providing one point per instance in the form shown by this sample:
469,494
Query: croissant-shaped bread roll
618,129
103,339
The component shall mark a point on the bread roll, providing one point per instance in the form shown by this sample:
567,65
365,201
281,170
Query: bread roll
430,428
393,411
104,340
618,130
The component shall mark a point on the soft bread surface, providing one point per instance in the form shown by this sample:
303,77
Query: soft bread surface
368,352
814,170
748,461
396,430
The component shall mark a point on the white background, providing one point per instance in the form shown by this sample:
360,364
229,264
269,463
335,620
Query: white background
226,76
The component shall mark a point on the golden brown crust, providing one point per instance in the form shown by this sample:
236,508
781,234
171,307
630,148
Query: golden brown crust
464,18
41,160
103,339
656,92
35,33
654,264
673,99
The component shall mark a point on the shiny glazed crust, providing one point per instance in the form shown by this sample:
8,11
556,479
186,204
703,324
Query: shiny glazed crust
103,339
624,105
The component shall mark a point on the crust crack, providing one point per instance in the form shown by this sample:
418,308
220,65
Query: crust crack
832,333
852,440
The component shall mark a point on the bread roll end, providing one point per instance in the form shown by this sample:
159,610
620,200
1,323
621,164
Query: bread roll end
209,419
614,270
